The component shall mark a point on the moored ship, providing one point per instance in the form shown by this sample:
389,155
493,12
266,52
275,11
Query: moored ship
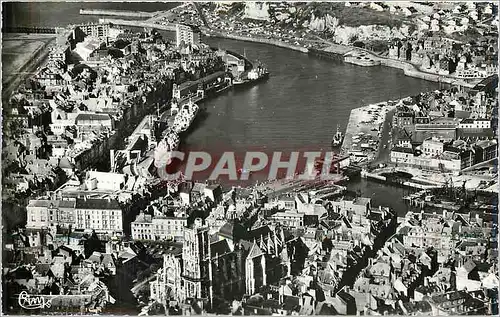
258,74
185,117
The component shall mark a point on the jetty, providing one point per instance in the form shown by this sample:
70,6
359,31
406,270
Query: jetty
122,13
165,26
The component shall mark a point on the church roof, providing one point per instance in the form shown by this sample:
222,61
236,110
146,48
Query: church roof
233,230
255,251
260,232
219,248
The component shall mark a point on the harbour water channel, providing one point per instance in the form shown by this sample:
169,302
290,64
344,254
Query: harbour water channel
297,109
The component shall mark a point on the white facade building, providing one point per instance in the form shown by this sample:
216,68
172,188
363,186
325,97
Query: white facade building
101,215
167,285
475,124
145,227
43,214
104,181
187,34
432,147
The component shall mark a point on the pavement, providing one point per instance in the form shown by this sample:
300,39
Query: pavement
386,140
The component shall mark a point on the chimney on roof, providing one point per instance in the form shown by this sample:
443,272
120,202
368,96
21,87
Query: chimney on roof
426,281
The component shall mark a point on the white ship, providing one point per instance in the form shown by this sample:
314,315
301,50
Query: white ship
185,117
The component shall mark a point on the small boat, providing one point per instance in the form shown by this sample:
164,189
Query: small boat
337,138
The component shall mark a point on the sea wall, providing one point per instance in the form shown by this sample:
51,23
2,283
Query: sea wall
258,40
134,14
326,54
142,24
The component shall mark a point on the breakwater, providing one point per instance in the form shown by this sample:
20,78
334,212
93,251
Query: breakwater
123,13
141,24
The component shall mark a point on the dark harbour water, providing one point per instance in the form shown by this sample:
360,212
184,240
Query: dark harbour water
52,14
297,109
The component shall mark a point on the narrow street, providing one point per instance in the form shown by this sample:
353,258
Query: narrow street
386,140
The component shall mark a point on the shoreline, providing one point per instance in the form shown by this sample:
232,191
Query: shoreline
340,50
366,58
218,34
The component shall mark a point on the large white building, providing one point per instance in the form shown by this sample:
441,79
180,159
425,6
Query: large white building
475,124
87,47
145,227
44,214
96,29
104,181
101,215
189,35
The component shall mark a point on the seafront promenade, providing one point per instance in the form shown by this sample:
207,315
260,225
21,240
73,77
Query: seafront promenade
366,58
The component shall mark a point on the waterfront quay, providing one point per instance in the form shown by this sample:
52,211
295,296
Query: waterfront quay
367,134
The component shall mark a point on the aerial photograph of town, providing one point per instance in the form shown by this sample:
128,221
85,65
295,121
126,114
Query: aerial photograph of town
250,158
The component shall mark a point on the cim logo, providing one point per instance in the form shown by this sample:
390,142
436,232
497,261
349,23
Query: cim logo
31,302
